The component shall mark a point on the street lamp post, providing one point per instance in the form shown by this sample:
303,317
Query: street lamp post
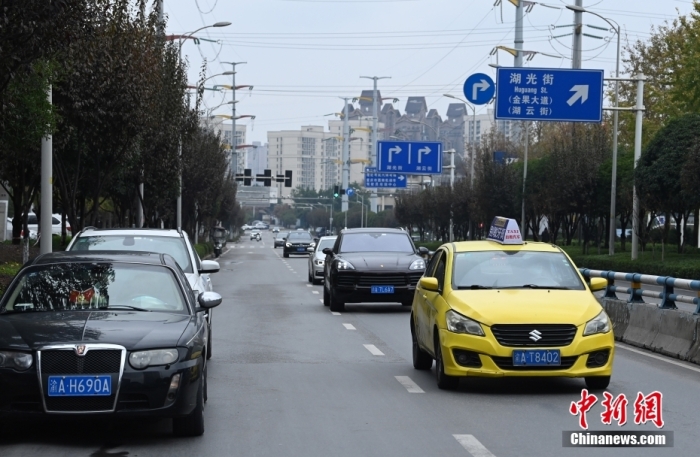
373,157
613,186
179,147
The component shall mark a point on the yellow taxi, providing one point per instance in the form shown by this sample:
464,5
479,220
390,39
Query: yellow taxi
504,307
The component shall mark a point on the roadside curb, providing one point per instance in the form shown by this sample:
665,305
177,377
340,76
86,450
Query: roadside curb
673,333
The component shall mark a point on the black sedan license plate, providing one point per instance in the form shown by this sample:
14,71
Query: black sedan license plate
536,357
382,289
80,386
301,249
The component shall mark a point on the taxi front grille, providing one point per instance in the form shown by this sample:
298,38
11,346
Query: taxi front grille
537,335
506,363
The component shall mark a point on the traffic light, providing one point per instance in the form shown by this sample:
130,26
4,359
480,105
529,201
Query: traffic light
265,178
336,191
342,191
247,177
287,178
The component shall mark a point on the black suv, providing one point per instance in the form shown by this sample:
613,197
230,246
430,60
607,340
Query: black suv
299,242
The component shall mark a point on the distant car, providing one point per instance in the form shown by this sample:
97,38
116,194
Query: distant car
299,243
317,259
33,225
104,334
254,234
628,233
276,230
280,239
247,227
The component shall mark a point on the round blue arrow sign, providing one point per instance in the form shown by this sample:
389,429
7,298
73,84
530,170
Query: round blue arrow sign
350,192
479,88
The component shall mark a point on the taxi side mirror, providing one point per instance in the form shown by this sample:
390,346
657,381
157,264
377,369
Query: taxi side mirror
598,284
430,284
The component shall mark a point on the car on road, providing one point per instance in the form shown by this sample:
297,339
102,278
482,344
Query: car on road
299,243
33,225
280,239
175,243
247,227
276,230
255,234
371,265
317,259
261,226
503,307
104,333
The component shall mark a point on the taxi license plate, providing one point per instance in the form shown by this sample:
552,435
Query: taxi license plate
382,289
536,357
80,386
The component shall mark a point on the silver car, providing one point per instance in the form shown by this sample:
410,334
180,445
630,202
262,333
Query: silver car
318,257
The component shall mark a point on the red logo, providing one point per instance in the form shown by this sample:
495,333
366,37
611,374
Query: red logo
581,407
614,409
648,409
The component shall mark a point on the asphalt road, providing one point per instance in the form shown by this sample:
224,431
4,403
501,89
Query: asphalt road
288,378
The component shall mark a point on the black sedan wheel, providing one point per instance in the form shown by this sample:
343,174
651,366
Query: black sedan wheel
193,423
210,342
336,305
285,255
444,381
326,297
421,359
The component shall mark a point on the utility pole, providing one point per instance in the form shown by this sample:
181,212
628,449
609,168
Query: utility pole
46,193
373,153
233,117
578,25
346,160
518,62
637,154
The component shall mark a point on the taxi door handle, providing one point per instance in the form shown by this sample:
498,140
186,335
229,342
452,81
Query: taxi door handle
425,296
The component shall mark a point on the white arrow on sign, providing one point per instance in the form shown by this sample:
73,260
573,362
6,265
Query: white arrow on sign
392,151
425,150
482,86
580,91
401,177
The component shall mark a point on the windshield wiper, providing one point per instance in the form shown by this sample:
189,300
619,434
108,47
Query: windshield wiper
135,308
474,287
537,286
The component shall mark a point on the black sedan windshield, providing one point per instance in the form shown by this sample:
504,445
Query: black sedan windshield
514,270
376,242
299,236
93,286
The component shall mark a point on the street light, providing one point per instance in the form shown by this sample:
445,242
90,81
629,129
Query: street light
179,147
473,138
613,186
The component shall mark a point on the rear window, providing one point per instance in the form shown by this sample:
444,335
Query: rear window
376,242
142,243
299,236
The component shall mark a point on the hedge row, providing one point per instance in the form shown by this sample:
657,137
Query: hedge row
204,249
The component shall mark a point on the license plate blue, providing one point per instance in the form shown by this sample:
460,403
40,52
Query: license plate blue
382,289
80,386
536,357
301,249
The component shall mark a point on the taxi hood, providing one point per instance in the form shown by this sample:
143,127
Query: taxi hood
526,306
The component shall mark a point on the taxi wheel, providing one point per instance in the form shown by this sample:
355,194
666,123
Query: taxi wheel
336,305
326,297
597,382
421,359
444,381
193,423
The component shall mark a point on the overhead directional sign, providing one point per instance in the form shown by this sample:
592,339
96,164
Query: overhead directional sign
549,94
391,180
413,158
479,88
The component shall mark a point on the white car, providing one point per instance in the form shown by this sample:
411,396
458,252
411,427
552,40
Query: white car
33,225
165,241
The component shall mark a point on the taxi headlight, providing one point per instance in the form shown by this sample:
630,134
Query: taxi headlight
457,323
599,324
20,361
418,264
143,359
345,265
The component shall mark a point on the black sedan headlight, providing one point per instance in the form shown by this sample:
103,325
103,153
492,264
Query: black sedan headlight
418,264
143,359
20,361
344,265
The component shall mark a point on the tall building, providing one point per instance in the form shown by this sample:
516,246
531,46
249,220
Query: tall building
237,159
256,158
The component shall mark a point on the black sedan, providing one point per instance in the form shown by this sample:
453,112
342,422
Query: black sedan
372,266
299,242
280,238
104,333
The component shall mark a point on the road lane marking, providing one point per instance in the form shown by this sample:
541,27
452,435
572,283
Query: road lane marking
657,357
373,349
410,386
335,313
308,285
314,292
349,326
473,446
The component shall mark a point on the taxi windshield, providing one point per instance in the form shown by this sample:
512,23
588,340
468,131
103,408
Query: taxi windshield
514,270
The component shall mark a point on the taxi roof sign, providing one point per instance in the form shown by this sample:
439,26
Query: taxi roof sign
505,231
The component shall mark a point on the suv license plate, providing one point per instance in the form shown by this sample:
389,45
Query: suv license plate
382,289
80,386
536,357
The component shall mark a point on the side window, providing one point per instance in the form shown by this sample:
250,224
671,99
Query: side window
430,270
336,246
440,271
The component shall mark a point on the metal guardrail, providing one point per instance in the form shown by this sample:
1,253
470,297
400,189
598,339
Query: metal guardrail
668,296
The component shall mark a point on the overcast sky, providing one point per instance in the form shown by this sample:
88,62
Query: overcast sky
303,54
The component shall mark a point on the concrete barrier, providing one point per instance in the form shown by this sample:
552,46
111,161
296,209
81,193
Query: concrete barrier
670,332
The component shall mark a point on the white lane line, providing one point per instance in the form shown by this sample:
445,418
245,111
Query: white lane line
410,386
308,285
349,326
335,313
249,252
473,446
657,357
314,292
373,349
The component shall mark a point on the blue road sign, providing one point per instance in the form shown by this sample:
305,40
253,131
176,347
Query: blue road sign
409,157
350,191
479,88
391,180
548,94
